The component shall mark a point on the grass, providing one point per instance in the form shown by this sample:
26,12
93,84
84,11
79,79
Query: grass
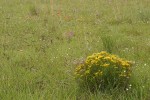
38,56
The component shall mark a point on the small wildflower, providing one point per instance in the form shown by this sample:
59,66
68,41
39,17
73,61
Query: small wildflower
127,89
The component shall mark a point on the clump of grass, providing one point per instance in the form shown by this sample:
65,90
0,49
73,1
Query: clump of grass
120,21
103,71
108,43
34,11
144,16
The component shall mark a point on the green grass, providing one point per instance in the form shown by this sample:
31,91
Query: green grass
37,56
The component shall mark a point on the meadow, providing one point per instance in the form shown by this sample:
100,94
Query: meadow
42,42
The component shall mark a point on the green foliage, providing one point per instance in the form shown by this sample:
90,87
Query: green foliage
103,70
144,15
108,43
38,56
34,11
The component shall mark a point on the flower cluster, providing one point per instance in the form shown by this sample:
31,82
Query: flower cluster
103,69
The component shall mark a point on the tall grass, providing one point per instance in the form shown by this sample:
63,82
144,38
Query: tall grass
37,61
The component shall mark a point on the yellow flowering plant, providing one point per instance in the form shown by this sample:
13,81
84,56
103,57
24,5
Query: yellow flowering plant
103,70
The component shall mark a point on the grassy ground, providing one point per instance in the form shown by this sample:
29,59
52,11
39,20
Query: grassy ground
39,48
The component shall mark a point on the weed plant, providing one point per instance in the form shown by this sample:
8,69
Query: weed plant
103,70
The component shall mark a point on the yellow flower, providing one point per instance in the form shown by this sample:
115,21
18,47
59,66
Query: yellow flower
108,58
103,52
125,64
99,57
99,73
105,65
87,71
